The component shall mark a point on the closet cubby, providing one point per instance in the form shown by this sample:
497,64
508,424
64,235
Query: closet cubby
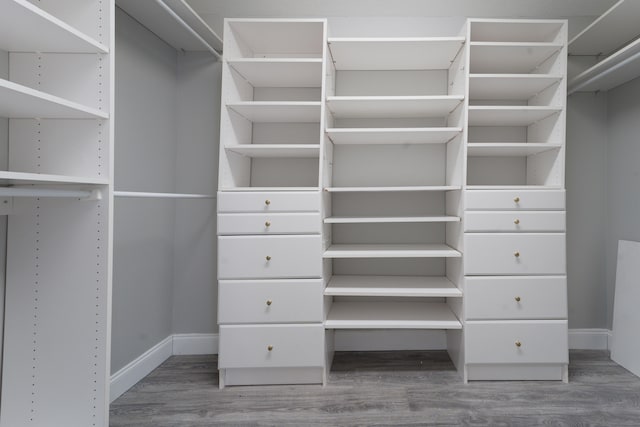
272,104
56,97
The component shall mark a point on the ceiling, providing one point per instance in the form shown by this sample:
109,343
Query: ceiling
214,11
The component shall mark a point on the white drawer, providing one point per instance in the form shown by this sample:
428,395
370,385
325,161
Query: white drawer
269,301
284,201
542,341
269,257
516,297
274,346
269,223
529,254
514,221
514,199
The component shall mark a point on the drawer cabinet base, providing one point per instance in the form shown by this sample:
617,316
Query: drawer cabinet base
516,372
270,376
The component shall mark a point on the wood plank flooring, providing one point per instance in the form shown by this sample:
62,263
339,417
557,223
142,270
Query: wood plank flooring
408,388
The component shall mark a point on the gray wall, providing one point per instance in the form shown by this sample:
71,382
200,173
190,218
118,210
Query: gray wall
195,287
623,177
144,161
586,206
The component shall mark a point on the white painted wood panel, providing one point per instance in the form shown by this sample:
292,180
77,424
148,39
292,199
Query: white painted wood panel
391,251
277,111
509,86
407,286
508,57
255,257
541,341
491,298
269,223
509,149
391,315
291,346
279,72
526,254
509,116
269,301
294,201
393,135
514,221
520,199
392,106
276,150
269,38
521,30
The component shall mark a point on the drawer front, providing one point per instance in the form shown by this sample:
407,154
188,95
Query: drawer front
497,342
514,200
290,201
269,257
269,223
516,297
269,301
274,346
527,254
514,221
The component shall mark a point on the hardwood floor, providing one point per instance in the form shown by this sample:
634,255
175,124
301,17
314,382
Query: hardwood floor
384,388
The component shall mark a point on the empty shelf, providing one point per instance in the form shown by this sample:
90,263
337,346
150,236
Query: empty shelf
514,187
507,149
611,30
21,102
392,106
413,53
276,150
492,57
388,219
509,116
280,72
392,189
25,27
20,178
391,251
249,189
509,86
392,135
402,286
280,37
391,315
612,71
278,111
520,30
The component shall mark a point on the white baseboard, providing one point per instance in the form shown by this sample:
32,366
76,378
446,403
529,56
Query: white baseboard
140,367
589,339
184,344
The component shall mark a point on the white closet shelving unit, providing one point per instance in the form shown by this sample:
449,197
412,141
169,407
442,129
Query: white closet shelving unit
514,241
612,40
269,244
391,251
58,100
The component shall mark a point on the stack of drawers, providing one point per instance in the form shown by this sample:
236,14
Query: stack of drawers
515,292
270,288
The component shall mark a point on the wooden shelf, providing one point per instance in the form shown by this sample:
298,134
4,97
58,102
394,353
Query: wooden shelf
373,136
279,72
278,111
391,251
280,37
388,219
612,71
392,189
508,149
514,187
509,86
21,102
507,57
521,30
392,106
276,150
613,29
410,53
390,286
391,315
25,27
509,116
265,189
22,178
